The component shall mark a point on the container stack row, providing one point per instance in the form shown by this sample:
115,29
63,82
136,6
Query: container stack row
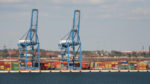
105,65
120,65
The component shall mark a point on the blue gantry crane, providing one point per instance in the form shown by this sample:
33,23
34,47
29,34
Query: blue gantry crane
70,46
29,46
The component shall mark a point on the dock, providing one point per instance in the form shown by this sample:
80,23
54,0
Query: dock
142,70
85,70
68,71
55,70
133,70
65,71
124,70
75,70
24,71
114,70
43,71
4,71
104,70
94,70
14,71
35,71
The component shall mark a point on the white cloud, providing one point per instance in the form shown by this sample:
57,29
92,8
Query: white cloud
139,14
136,14
80,1
23,6
16,1
44,14
15,15
143,11
10,1
122,1
103,16
137,18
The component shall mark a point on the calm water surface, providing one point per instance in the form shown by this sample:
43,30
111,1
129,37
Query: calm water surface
76,78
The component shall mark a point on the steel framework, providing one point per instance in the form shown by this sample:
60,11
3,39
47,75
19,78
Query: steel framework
70,46
29,46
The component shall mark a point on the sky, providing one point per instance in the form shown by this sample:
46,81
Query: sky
105,24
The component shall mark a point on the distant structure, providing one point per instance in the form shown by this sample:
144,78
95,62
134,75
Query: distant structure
29,46
5,48
149,50
142,48
5,51
70,46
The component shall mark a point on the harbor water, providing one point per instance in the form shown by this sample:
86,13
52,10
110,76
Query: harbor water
76,78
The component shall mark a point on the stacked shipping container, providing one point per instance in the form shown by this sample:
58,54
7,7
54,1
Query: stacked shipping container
103,65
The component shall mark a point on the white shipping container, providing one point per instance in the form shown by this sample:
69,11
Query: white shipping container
65,41
24,41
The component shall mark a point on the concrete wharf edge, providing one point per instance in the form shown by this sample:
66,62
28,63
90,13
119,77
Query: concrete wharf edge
73,71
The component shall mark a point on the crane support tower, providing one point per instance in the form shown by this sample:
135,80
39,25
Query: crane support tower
70,46
29,46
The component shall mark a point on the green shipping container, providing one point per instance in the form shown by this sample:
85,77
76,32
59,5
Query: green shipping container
15,68
15,63
131,67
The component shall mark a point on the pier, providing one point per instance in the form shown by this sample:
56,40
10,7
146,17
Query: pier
73,71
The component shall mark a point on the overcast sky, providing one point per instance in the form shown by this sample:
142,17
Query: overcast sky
105,24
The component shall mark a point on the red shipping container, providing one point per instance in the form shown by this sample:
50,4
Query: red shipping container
102,65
